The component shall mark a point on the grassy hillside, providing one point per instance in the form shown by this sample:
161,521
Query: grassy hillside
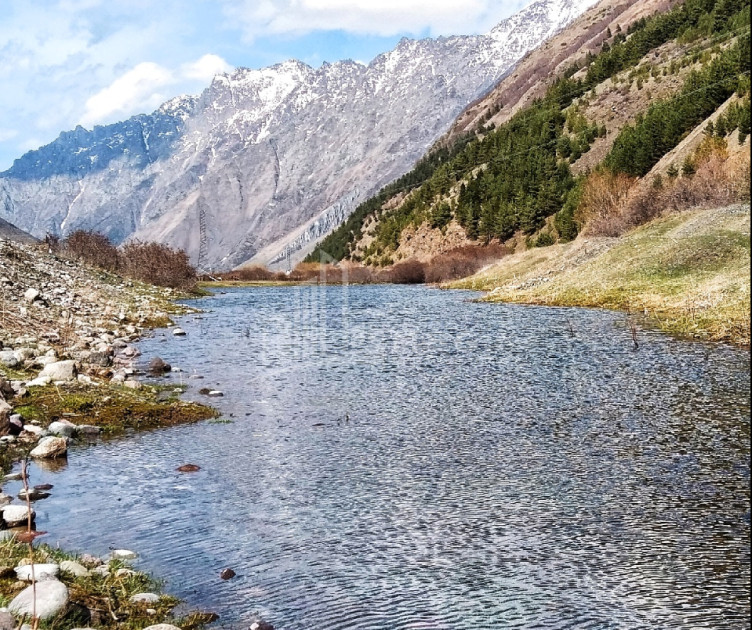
687,272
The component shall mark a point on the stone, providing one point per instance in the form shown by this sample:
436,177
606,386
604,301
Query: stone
62,429
145,598
159,366
8,359
91,561
33,494
132,383
7,621
88,430
50,447
74,568
5,413
162,626
178,332
123,554
35,430
31,294
215,393
103,570
124,572
41,572
185,468
5,499
39,381
227,574
60,371
261,625
51,598
15,515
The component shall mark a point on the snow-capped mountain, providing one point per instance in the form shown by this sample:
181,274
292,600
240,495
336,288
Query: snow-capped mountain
265,162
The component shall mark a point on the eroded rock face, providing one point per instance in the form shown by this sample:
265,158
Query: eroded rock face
234,165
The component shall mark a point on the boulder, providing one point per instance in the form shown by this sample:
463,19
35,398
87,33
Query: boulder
74,568
178,332
15,515
5,499
6,389
8,359
51,598
159,366
35,430
227,574
42,572
162,626
88,430
123,554
102,359
50,447
60,371
62,429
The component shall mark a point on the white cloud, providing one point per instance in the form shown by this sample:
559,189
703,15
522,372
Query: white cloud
7,134
384,17
205,68
136,89
139,89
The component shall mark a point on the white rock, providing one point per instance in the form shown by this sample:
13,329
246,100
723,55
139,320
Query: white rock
50,447
101,570
162,626
51,597
15,515
60,371
30,295
146,598
124,572
215,393
33,428
63,429
132,383
41,572
178,332
123,554
39,381
74,568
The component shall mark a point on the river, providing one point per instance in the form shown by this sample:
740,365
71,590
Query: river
405,458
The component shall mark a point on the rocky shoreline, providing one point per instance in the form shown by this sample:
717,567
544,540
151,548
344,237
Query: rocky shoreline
69,372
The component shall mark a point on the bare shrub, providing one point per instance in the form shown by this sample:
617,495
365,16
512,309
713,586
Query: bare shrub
407,272
254,273
92,248
158,264
462,262
603,199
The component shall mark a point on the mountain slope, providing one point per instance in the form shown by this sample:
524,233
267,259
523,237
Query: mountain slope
620,106
266,161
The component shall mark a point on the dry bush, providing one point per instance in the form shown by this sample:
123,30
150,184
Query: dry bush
407,272
603,200
92,248
462,262
158,264
254,273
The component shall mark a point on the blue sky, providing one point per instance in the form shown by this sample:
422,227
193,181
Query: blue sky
88,62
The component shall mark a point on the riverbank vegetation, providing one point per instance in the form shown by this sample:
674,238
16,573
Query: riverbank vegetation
152,263
688,273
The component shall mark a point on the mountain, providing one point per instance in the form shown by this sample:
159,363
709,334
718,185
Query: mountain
265,162
582,134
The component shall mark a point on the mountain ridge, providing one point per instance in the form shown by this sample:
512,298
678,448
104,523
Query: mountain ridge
260,155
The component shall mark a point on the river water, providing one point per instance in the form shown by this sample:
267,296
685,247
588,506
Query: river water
404,458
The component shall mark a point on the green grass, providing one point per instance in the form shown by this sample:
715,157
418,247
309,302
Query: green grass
688,273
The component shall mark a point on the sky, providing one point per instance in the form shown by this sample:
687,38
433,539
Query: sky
92,62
